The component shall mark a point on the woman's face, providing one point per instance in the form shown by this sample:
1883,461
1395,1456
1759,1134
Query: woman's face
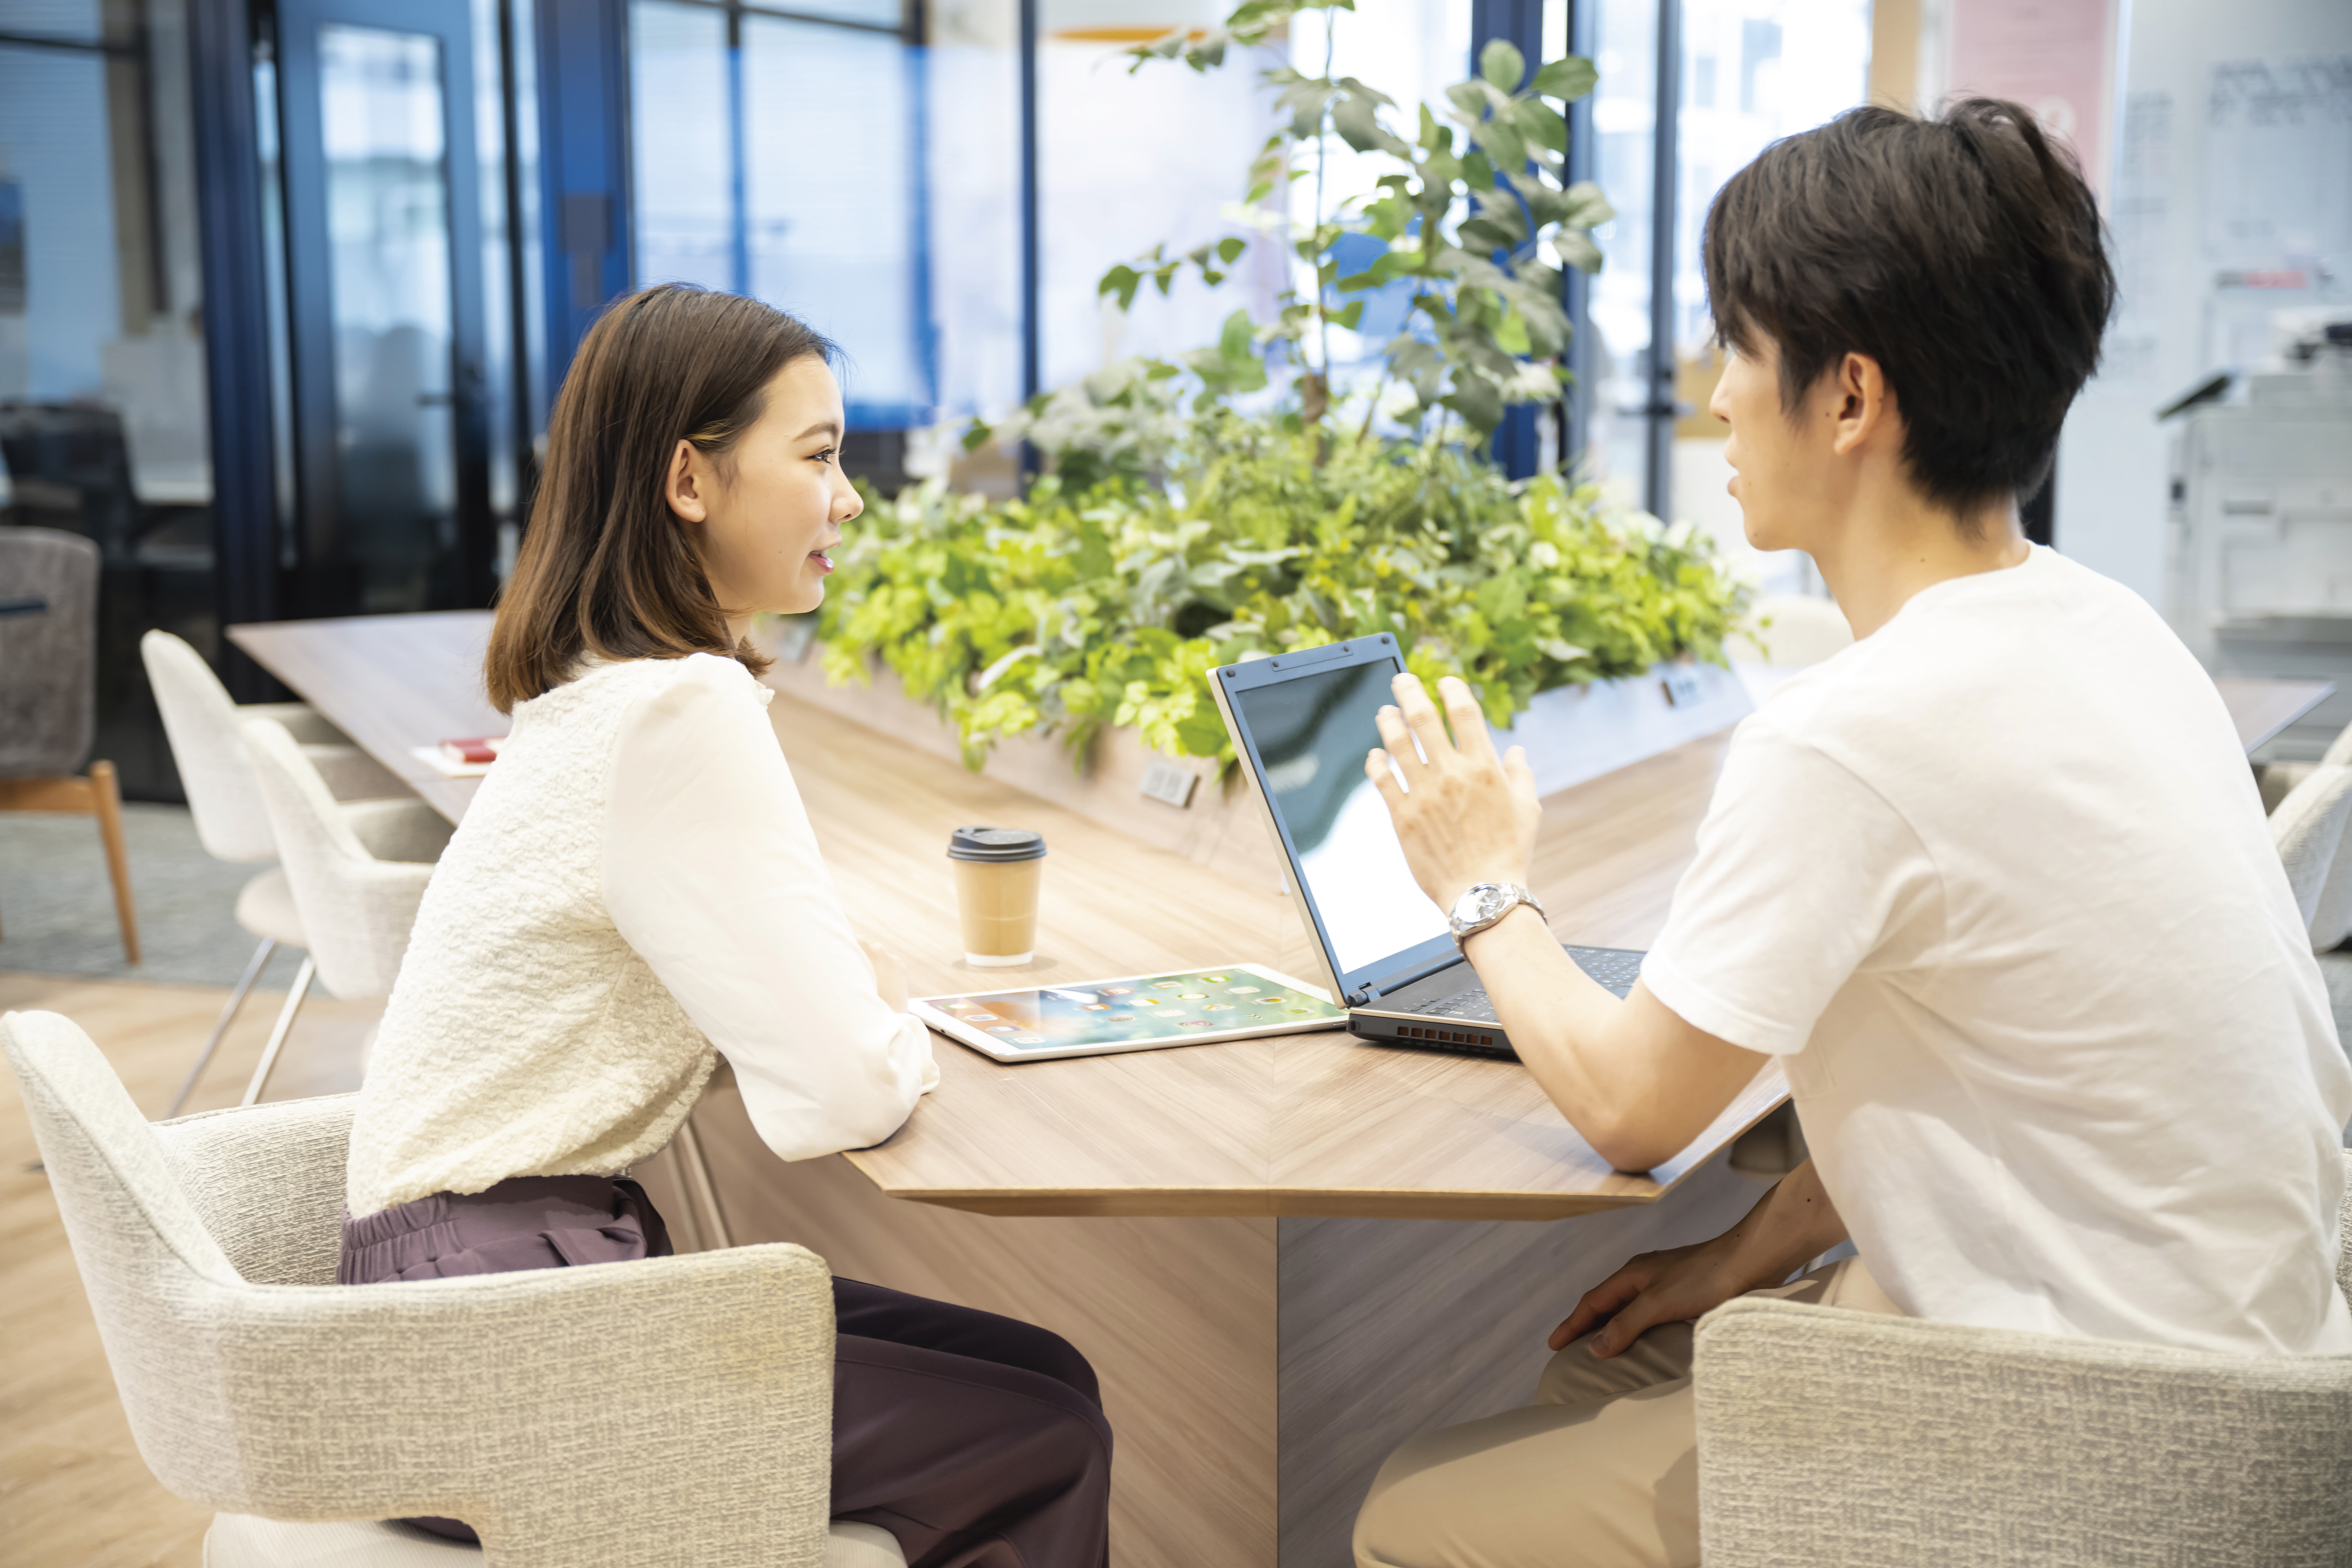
762,520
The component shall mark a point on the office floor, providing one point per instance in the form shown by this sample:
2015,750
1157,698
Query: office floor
73,1491
56,910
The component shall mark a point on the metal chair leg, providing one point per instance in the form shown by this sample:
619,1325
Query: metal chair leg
686,1223
228,1014
278,1036
703,1193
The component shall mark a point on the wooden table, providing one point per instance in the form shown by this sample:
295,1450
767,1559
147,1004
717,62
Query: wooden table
1283,1255
2261,708
391,683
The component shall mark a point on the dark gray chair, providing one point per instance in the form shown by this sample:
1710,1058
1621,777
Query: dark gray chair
48,694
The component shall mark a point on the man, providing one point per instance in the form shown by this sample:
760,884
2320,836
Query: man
1993,884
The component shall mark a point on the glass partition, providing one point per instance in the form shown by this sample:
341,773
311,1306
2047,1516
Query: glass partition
103,428
387,199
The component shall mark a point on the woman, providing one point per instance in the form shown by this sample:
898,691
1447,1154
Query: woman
635,891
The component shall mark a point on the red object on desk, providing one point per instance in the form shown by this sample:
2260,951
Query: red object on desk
482,749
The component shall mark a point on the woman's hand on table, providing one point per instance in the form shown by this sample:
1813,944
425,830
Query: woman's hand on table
1464,815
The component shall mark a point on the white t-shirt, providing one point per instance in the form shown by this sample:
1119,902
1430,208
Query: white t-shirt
1995,883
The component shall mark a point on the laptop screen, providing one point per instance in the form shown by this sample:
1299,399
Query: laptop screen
1312,732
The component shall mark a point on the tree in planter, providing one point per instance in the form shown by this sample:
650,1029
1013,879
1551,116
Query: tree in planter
1177,531
1475,232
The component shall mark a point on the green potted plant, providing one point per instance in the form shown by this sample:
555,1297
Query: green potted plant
1234,502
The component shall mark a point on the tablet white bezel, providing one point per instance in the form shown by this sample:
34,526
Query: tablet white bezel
963,1034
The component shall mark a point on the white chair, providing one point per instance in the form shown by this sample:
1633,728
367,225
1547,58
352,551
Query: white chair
670,1412
208,747
1843,1439
355,901
1789,630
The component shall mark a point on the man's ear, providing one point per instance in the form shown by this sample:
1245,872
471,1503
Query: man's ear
1860,404
685,486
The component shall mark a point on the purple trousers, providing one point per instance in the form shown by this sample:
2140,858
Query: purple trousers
977,1441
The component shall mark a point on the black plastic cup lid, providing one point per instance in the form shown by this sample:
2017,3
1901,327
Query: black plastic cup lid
995,844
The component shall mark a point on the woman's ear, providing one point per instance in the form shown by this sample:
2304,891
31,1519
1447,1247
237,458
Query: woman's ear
688,485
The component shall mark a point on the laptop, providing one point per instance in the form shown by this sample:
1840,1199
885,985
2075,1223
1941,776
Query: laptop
1301,723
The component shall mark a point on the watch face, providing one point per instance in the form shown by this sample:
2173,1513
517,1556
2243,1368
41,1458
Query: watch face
1483,903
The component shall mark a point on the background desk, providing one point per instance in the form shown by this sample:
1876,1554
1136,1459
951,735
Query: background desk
1283,1255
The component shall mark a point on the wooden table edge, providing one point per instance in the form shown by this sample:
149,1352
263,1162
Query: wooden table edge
1213,1203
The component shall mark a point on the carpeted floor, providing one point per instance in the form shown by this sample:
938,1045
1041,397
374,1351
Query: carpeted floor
57,906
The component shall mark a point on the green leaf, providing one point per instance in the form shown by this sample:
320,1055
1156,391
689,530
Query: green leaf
1477,400
1122,281
1346,316
1234,340
1477,171
1501,63
1576,248
1511,337
1567,78
1541,124
1229,249
1433,137
1503,146
1355,120
1587,208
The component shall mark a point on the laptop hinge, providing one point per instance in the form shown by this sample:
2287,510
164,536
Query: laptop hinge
1399,981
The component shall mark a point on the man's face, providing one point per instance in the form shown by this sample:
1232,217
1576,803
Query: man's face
1782,475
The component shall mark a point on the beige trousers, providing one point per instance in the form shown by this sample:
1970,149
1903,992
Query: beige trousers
1600,1472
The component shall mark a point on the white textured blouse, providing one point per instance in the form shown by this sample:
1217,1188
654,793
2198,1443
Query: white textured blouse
634,889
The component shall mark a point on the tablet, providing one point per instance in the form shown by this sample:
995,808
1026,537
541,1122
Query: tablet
1139,1013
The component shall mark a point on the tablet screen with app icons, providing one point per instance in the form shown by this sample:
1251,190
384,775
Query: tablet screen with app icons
1139,1013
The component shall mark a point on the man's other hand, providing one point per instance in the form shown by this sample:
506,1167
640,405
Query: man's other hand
1675,1285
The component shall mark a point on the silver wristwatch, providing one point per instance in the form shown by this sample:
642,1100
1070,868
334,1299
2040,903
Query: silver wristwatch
1483,904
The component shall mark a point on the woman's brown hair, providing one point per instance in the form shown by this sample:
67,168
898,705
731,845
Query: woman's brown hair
605,567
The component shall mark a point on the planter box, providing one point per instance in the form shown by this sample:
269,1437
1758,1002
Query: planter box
1571,734
1219,828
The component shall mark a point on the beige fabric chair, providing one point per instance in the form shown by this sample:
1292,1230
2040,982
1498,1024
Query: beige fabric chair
2309,828
206,728
1843,1439
2276,779
671,1412
48,696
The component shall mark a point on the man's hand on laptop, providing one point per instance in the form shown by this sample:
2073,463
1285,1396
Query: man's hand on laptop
1635,1079
1464,815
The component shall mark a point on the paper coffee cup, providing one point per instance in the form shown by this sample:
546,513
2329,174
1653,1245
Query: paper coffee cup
997,872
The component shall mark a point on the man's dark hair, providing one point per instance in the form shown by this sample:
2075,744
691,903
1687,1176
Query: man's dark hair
1962,253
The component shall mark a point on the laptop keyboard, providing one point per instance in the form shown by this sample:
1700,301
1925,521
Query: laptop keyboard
1616,970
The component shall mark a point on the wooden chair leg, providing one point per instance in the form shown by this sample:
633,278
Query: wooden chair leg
98,796
106,799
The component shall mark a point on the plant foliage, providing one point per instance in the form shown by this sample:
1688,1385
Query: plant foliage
1107,603
1177,532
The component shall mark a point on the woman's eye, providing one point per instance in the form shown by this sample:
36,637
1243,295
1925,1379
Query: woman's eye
828,455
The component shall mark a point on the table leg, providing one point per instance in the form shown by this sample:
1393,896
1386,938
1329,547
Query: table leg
1388,1327
1177,1316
